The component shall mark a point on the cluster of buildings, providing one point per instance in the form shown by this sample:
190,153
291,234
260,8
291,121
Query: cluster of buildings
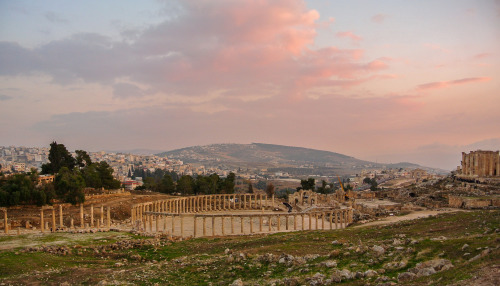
22,159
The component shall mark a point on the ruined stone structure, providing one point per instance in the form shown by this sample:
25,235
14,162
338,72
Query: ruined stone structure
307,197
186,216
480,164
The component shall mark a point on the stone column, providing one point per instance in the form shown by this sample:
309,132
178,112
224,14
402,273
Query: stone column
5,220
204,226
272,200
251,224
260,223
316,219
286,222
91,215
213,226
310,221
157,218
270,223
336,220
260,196
279,222
42,223
150,222
241,226
232,224
61,224
173,224
53,220
194,226
244,202
82,222
331,220
108,218
102,214
71,223
323,220
294,222
302,217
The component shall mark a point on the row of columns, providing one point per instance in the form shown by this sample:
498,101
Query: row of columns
100,222
154,222
203,204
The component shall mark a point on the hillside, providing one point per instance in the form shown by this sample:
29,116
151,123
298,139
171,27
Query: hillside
275,157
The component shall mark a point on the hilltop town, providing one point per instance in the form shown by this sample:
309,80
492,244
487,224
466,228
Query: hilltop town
192,162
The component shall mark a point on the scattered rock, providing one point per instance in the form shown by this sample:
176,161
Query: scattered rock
426,272
237,282
465,246
329,263
406,276
378,249
346,274
370,273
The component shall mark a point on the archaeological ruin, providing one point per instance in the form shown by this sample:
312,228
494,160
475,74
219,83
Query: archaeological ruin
480,164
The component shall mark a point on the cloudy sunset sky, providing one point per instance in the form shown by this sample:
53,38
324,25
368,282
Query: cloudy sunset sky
385,81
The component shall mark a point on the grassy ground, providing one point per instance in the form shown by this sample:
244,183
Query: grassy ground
90,259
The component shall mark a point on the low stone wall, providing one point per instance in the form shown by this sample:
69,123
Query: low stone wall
472,203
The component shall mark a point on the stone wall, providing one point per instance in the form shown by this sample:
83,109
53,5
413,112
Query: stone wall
472,203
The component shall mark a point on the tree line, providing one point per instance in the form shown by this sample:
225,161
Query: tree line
171,183
72,175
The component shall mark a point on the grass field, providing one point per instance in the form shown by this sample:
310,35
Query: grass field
297,258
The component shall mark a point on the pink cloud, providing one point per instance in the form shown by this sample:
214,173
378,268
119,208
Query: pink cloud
445,84
349,35
379,18
482,56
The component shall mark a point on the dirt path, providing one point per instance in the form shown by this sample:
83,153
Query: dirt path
410,216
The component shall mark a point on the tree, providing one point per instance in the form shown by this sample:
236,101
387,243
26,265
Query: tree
250,188
166,184
91,176
82,158
106,176
308,184
374,185
270,189
227,186
323,189
59,157
367,180
69,186
202,185
214,183
185,185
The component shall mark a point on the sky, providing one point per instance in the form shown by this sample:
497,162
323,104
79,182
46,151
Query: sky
386,81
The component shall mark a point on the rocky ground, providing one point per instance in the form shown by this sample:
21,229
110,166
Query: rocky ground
459,248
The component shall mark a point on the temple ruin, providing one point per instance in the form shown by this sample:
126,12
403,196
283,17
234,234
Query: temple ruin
480,164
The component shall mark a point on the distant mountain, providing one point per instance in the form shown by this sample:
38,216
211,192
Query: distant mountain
293,160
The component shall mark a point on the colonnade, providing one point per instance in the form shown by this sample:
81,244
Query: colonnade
99,223
206,203
201,225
